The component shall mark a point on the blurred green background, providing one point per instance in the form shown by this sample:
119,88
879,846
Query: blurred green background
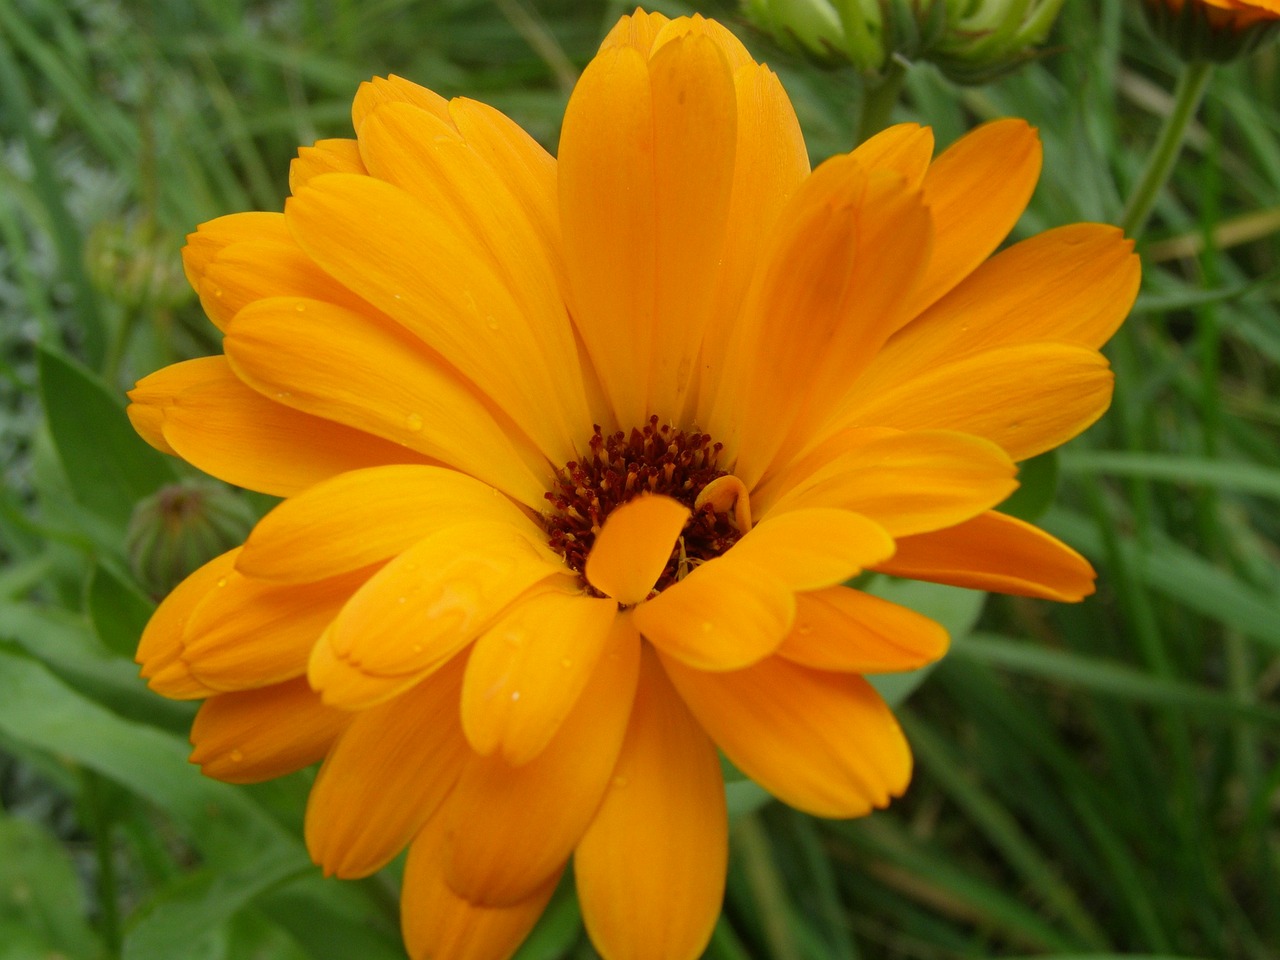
1094,780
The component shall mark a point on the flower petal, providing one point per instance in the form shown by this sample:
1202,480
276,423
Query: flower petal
215,235
437,923
813,548
995,552
220,425
527,670
511,828
154,392
650,869
633,546
160,648
389,771
251,633
976,190
374,377
325,156
646,172
255,735
1033,397
854,632
448,294
374,93
906,482
822,742
423,607
905,148
364,517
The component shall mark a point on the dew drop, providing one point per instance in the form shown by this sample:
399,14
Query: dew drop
235,756
417,648
492,323
515,695
222,581
414,422
707,626
566,663
300,307
401,599
804,629
217,293
620,782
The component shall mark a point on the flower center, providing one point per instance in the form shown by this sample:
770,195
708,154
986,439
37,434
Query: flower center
621,467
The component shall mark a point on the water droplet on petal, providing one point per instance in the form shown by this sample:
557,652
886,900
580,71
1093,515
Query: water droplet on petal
235,756
620,782
804,629
492,323
414,422
300,307
222,581
515,695
566,663
707,626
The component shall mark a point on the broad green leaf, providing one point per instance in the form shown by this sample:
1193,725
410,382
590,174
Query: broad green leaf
1037,486
40,892
559,928
118,610
1238,477
108,466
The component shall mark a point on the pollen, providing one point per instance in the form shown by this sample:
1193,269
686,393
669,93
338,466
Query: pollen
655,458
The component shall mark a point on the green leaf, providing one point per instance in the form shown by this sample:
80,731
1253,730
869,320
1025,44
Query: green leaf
40,893
559,928
953,607
1037,486
108,466
118,610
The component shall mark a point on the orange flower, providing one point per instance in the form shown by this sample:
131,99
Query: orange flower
1218,30
577,456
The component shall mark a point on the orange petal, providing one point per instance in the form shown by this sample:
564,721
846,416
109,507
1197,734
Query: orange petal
364,517
389,771
215,235
374,377
633,547
326,156
358,229
153,393
527,670
995,552
847,252
423,607
976,190
813,548
854,632
255,735
906,482
725,614
160,648
636,30
251,633
1074,284
905,148
373,93
512,828
650,869
437,923
822,742
220,425
1027,398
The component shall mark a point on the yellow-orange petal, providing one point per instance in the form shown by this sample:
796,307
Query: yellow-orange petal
374,377
250,633
160,648
438,924
847,252
373,93
527,670
905,148
633,546
725,614
1033,397
906,482
211,237
511,828
152,394
995,552
976,190
325,156
854,632
220,425
637,30
822,742
646,173
423,607
1074,284
358,228
255,735
807,549
389,771
365,517
650,869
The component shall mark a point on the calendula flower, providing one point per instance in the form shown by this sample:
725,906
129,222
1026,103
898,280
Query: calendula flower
1214,30
577,456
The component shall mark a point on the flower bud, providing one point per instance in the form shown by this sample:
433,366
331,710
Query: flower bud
181,527
1214,30
133,263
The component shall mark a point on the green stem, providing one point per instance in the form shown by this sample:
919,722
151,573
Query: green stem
108,892
752,846
879,97
1186,100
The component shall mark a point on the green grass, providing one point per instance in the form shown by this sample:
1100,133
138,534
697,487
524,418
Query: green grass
1097,780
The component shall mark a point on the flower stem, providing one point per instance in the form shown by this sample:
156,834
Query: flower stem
1186,99
879,97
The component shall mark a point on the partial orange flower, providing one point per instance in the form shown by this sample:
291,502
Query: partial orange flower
1217,30
577,456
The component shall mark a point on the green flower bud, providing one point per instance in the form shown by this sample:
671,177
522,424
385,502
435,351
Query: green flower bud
134,264
181,527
